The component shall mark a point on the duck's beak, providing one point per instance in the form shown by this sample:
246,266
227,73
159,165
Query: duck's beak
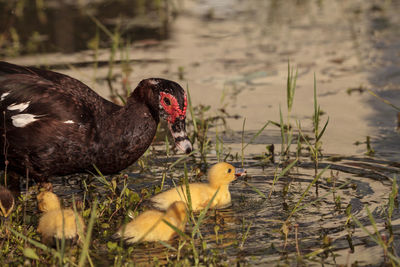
178,131
240,172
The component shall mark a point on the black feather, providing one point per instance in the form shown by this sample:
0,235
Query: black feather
102,133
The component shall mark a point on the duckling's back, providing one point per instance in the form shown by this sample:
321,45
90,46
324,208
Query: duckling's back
148,226
200,195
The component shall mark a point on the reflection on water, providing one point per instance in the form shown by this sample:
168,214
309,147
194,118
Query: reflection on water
233,55
250,230
68,26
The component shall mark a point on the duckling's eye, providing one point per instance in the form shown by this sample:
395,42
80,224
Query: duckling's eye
167,101
229,170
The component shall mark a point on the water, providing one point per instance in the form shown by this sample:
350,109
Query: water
233,55
69,26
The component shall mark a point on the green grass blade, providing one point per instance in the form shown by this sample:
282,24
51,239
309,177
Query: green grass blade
392,198
282,126
165,244
100,177
203,214
256,135
245,235
281,174
101,26
287,168
294,210
244,123
373,223
188,195
290,87
176,229
86,243
40,245
256,190
181,159
389,254
323,196
323,130
316,107
383,100
191,109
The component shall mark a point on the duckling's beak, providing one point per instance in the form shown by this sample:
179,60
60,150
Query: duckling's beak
240,172
178,131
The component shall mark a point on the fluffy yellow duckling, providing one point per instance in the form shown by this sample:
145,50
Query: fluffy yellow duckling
149,226
219,176
6,202
57,222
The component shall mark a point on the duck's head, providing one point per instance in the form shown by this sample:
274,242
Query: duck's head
48,201
177,210
6,202
223,173
170,100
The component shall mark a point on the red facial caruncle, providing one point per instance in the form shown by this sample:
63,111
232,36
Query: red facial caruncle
171,106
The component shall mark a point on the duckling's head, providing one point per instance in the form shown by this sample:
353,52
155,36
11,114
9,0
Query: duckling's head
48,201
6,202
177,210
220,174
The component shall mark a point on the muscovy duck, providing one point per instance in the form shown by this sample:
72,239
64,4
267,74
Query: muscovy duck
53,124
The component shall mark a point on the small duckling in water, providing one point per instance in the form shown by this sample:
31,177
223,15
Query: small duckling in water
56,222
6,202
149,226
219,177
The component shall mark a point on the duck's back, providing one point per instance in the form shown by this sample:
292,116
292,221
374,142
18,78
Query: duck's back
31,84
48,119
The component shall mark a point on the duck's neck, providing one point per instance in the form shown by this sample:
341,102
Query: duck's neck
126,135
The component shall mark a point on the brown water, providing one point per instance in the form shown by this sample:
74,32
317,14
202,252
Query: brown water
234,55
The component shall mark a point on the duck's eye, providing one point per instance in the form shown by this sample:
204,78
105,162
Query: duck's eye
229,170
167,101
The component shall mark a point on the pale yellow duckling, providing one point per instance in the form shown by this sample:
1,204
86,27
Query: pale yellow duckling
55,221
150,225
6,202
219,177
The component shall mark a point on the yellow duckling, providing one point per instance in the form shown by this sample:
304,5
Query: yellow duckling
219,177
149,226
6,202
57,222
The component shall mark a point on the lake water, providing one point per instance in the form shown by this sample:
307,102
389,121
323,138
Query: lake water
233,55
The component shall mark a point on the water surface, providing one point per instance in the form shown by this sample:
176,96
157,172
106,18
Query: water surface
233,55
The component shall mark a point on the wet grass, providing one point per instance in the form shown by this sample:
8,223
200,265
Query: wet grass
106,202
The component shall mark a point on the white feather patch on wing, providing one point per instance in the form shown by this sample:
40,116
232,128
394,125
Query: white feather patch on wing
69,121
20,107
3,95
21,120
